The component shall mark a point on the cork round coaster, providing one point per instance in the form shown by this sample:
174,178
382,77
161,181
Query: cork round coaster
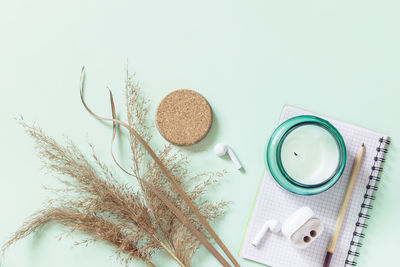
184,117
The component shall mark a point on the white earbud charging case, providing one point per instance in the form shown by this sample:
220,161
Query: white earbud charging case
302,228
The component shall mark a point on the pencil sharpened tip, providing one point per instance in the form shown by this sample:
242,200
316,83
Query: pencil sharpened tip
363,145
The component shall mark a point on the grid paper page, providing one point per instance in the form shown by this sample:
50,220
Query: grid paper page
274,202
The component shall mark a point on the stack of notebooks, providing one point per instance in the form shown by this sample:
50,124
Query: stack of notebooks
273,202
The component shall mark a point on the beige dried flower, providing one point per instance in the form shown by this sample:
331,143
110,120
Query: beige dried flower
134,221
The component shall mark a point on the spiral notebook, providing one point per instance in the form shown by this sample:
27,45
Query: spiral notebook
273,202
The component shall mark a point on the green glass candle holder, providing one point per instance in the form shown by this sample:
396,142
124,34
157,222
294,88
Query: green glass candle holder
295,151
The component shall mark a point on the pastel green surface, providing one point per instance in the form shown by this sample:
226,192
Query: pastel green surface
248,58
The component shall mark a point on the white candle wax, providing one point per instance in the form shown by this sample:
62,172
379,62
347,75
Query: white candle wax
310,154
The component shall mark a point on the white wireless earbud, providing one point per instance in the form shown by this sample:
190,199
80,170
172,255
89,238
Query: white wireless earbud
272,225
220,149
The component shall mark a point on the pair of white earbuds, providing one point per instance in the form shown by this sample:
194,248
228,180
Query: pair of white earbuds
221,149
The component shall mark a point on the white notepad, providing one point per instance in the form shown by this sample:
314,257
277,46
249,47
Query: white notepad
274,202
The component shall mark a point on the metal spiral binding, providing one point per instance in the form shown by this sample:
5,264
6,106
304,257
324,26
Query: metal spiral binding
358,234
364,215
373,187
379,169
386,141
369,197
353,253
379,159
352,263
367,206
363,225
374,177
357,244
380,149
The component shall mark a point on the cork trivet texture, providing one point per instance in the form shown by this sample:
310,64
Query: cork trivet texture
184,117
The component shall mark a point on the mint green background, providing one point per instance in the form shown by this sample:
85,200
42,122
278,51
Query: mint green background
248,58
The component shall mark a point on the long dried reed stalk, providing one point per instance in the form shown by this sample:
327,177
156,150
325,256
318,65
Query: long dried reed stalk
94,202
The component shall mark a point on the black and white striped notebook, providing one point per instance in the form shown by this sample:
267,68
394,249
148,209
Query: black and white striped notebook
274,202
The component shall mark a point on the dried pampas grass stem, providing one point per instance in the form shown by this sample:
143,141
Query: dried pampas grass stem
137,222
171,179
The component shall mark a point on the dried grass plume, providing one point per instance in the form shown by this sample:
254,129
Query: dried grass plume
131,219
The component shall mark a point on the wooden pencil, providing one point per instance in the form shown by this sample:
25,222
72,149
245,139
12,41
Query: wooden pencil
343,208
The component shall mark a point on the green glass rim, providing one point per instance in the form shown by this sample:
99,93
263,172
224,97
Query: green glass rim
272,156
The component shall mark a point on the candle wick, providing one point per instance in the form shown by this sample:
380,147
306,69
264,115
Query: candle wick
295,154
